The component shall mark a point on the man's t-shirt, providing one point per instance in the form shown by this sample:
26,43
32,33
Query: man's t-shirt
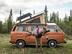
37,31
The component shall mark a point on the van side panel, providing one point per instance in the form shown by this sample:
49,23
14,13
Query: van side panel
18,35
58,36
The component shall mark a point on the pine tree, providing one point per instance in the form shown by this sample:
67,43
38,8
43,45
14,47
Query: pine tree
70,18
9,21
46,17
0,26
65,18
20,14
53,17
57,16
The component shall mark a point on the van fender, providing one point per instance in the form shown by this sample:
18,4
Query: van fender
21,39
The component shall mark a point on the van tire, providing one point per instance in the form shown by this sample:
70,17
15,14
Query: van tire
20,43
52,43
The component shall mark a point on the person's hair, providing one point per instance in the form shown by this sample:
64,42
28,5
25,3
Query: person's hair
36,25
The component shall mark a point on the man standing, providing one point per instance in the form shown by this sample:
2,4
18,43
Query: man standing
38,35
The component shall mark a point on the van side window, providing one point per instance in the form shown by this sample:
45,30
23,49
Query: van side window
20,29
24,28
53,28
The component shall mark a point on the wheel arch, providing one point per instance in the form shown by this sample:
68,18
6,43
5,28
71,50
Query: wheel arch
21,39
51,40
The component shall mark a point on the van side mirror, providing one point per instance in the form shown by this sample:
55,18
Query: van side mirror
56,30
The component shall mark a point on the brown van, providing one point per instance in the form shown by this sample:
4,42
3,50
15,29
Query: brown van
21,35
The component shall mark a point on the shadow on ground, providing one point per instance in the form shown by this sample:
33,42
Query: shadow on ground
33,46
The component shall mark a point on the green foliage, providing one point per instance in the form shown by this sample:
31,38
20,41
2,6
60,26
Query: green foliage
0,26
9,22
4,28
54,17
66,19
65,25
9,25
70,18
46,17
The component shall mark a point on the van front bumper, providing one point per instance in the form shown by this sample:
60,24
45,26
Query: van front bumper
12,42
65,41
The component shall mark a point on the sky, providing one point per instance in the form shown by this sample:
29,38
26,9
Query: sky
63,6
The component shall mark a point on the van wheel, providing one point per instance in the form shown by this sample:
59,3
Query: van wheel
20,43
52,43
